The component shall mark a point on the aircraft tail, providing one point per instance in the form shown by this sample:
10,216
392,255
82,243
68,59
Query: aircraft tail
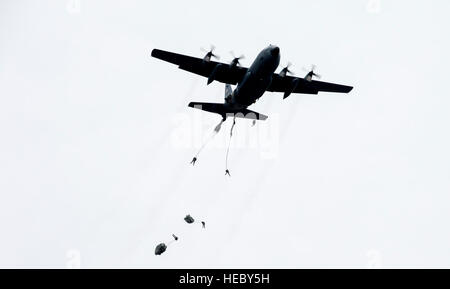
225,111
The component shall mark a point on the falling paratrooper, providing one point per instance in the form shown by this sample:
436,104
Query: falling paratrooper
161,248
190,220
216,131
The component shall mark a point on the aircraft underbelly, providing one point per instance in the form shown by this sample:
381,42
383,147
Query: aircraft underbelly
252,89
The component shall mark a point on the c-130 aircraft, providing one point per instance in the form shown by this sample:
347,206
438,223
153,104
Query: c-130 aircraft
251,82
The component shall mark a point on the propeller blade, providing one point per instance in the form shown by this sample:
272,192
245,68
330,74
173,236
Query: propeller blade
235,60
311,72
210,53
287,70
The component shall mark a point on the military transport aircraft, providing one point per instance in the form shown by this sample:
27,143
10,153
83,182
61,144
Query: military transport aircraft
251,82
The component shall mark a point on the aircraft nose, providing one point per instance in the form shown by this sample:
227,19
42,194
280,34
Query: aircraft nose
275,51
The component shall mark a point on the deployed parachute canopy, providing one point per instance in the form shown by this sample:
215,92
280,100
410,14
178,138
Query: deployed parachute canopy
161,248
189,219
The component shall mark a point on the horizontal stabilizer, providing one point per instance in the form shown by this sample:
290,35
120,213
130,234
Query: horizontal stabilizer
225,111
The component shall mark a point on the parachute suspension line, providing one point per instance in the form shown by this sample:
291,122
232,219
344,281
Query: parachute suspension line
227,172
216,130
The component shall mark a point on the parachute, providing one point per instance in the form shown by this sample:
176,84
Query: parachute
161,248
216,131
189,219
227,172
228,92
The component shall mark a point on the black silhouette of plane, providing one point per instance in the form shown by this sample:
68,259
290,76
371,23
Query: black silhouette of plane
251,82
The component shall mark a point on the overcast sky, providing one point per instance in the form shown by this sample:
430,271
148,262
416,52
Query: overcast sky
96,136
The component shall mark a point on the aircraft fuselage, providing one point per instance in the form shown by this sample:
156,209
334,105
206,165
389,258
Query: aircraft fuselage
258,77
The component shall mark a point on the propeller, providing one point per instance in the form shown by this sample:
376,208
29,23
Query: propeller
311,73
235,61
209,53
286,70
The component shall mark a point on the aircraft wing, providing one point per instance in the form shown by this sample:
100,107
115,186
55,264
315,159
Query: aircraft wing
221,72
289,84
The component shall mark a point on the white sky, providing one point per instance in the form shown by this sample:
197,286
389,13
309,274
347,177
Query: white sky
90,165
